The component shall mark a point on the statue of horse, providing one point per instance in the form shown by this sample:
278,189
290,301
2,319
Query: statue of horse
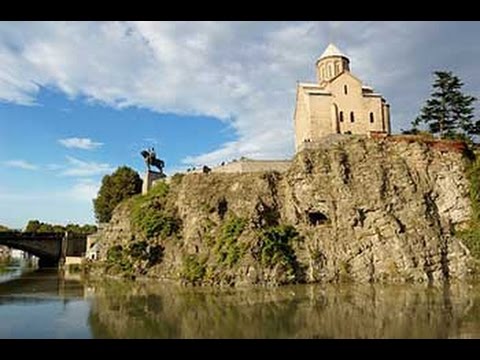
151,160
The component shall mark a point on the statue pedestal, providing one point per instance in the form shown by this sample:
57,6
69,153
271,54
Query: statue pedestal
149,178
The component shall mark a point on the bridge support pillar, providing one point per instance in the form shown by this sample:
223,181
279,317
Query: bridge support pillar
63,250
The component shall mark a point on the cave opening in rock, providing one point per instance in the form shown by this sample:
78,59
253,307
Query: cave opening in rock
316,218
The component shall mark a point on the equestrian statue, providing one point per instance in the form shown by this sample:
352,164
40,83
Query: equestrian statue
151,160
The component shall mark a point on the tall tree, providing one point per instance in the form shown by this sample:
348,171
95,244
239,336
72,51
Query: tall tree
448,112
121,184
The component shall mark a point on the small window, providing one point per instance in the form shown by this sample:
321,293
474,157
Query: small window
371,117
352,117
345,89
341,116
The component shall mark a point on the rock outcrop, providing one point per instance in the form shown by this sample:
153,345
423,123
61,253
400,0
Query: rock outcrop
359,209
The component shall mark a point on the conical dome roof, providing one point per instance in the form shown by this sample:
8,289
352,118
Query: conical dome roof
332,50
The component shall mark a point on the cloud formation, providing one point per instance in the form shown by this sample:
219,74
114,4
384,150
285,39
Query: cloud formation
21,164
243,73
80,143
84,190
80,168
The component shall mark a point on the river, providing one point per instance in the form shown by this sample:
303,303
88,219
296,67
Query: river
49,304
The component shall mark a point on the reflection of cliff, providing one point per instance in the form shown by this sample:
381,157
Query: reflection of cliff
145,310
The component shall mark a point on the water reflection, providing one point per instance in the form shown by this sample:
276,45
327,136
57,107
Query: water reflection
51,304
136,310
41,285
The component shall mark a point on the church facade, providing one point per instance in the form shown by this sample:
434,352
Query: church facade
338,103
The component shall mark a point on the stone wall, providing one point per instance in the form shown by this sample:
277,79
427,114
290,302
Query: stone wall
246,166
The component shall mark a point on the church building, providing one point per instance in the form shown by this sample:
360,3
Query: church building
338,103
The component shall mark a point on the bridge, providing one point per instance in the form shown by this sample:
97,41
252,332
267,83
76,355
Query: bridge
50,248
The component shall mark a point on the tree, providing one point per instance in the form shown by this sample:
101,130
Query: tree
448,112
120,185
41,227
32,226
4,228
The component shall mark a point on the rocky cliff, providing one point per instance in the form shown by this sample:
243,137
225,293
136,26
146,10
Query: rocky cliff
355,210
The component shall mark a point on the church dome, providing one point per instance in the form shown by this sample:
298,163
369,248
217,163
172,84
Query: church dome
331,63
330,51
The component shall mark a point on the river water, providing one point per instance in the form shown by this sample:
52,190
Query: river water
49,304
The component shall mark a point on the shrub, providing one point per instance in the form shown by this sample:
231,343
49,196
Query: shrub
227,249
193,269
275,248
149,216
118,261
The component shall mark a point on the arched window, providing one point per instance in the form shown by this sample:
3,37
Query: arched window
323,72
371,117
341,116
345,89
352,117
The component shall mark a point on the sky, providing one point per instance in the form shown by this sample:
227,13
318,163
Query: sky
79,99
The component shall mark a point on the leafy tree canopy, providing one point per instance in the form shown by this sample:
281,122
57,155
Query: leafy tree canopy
41,227
120,185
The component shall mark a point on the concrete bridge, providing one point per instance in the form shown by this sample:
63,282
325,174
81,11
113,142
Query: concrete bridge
50,248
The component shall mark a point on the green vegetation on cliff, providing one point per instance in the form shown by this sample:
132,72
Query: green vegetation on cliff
193,270
136,258
227,248
471,236
150,216
275,249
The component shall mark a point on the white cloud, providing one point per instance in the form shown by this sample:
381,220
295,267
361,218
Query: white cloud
21,164
77,167
80,143
84,190
241,72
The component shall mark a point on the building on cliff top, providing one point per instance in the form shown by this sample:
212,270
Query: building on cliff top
338,103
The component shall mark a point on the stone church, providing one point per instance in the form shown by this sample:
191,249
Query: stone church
338,103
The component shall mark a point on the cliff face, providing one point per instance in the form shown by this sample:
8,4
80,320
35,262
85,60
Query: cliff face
359,209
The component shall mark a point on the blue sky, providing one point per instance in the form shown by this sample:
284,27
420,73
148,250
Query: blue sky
78,99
